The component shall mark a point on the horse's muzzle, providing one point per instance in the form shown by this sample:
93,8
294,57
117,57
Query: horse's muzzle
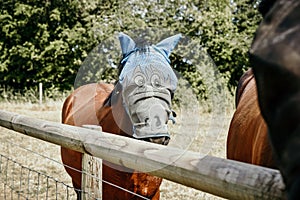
158,140
150,117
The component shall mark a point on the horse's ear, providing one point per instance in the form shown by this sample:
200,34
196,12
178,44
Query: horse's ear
127,44
167,45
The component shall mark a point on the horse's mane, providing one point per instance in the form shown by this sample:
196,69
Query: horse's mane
244,80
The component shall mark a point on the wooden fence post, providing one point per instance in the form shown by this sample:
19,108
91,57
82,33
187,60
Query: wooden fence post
91,173
40,93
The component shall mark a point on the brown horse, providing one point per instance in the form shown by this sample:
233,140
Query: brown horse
138,106
247,139
275,57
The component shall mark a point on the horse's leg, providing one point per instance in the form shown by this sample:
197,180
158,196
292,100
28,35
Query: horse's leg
156,196
78,193
72,162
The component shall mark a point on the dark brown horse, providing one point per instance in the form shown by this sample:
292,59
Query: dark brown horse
138,106
247,139
275,57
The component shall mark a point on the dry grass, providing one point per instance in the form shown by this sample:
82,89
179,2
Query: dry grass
210,138
13,144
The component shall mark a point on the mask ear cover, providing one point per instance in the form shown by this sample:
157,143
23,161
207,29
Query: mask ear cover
127,44
166,46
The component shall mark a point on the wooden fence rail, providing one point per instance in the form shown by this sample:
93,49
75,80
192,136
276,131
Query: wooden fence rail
221,177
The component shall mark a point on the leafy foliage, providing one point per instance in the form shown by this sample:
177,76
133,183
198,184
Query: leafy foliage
43,42
48,41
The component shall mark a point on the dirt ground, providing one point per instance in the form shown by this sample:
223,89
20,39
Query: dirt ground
45,157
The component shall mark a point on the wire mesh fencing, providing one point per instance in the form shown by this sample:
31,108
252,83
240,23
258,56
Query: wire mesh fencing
32,169
21,182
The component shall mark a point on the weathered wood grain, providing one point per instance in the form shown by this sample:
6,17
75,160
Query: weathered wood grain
91,173
221,177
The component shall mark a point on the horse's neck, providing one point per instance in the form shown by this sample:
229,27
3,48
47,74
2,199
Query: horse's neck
113,117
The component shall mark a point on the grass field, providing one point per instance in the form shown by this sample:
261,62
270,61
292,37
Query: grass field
13,145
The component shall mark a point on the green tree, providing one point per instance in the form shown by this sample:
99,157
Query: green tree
43,41
246,19
224,29
48,41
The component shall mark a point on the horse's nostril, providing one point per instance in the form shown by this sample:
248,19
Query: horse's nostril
147,121
158,122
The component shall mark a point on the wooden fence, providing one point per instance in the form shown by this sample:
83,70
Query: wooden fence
221,177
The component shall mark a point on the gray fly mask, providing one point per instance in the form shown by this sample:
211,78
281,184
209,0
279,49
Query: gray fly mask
148,81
